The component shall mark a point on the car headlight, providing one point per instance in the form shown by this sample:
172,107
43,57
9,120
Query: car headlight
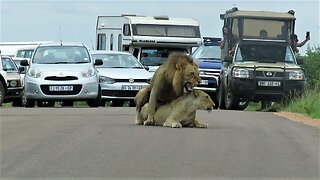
13,83
34,73
88,73
107,80
296,75
240,73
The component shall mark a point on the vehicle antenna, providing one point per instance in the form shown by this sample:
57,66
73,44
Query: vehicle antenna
92,44
60,34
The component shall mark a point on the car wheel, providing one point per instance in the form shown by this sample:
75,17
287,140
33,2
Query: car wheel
232,102
221,94
117,103
2,93
95,102
29,103
17,102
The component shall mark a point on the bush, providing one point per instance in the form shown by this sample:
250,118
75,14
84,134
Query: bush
312,68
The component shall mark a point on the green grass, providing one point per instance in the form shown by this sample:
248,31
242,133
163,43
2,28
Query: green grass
308,104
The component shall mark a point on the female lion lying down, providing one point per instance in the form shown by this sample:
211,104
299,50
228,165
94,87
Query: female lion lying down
182,111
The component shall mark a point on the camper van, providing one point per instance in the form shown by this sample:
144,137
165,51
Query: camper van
150,39
20,49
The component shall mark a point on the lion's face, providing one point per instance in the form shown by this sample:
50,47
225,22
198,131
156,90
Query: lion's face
191,77
203,100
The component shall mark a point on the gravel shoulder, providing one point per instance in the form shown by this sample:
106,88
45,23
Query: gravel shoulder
299,118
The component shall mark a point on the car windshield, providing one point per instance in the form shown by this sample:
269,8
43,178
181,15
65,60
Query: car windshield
61,55
265,53
207,52
117,61
157,56
8,65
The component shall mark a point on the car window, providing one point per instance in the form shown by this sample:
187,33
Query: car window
61,55
207,52
265,53
117,61
8,65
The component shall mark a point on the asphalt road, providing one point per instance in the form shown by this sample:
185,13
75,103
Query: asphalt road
104,143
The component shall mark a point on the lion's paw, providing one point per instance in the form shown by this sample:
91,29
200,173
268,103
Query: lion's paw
199,125
173,125
149,123
138,122
176,125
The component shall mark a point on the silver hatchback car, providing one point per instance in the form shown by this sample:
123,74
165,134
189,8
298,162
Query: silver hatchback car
121,76
61,72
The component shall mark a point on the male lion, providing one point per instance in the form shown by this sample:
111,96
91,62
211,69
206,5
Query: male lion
181,112
174,78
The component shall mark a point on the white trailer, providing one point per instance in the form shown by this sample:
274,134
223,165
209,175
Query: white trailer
19,49
150,39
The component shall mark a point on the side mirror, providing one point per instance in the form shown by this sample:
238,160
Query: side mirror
24,63
22,69
228,59
98,62
300,61
147,68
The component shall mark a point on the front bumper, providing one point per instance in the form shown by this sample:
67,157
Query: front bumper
13,93
249,89
121,90
83,89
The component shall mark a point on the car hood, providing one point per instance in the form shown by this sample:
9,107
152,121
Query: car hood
124,73
13,76
209,63
62,69
266,65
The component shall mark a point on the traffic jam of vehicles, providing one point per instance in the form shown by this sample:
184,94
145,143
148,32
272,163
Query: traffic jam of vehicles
256,62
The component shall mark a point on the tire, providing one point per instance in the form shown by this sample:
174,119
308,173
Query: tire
95,102
2,94
29,103
17,102
103,103
221,95
231,100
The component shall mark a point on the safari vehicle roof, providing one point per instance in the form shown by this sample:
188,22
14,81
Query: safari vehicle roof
234,12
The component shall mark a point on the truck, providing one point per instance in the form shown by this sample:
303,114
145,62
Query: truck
259,63
208,59
149,39
3,81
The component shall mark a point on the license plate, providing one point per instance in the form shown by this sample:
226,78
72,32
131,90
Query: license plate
131,87
60,88
204,82
269,83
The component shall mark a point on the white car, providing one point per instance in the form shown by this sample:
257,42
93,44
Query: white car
61,72
121,76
